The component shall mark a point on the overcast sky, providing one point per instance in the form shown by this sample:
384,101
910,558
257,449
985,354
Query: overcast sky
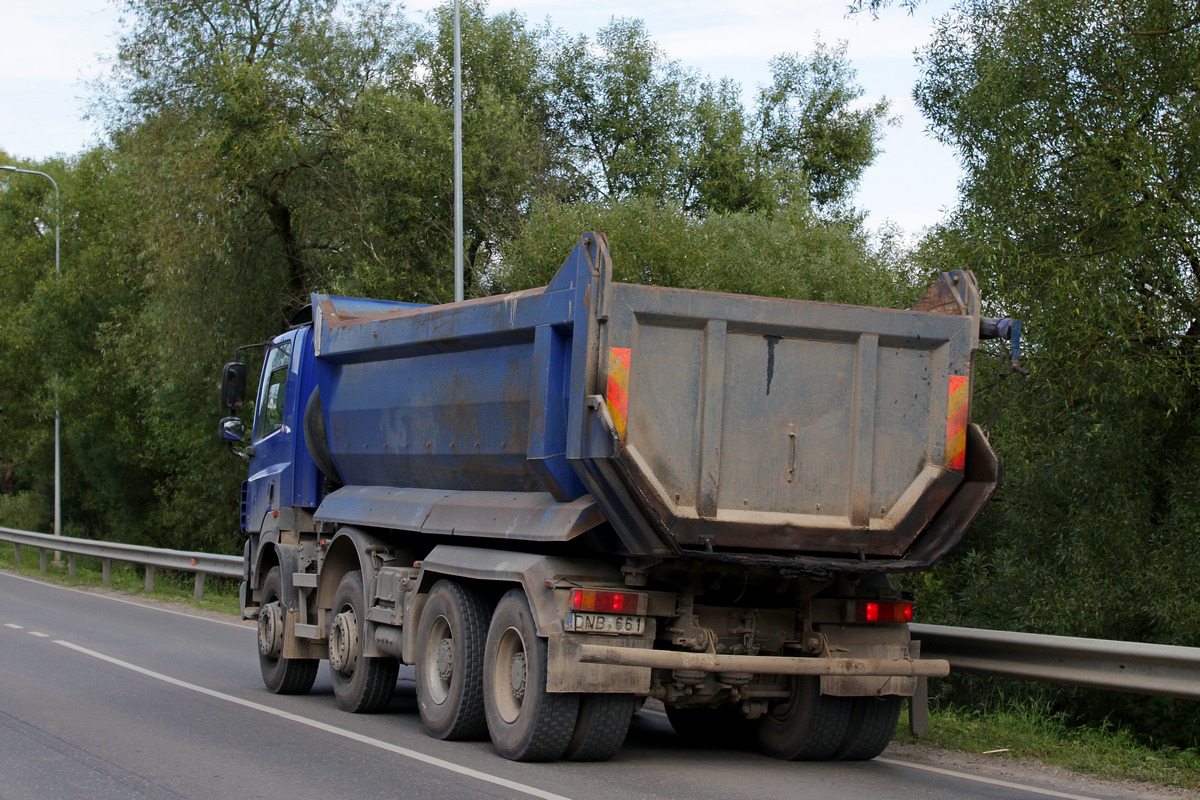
52,47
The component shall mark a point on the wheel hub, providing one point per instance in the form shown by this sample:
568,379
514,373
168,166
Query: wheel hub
445,659
270,630
517,674
343,642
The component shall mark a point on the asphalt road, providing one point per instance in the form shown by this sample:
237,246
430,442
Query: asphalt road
104,698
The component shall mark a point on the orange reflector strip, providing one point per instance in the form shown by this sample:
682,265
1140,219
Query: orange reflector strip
956,422
617,394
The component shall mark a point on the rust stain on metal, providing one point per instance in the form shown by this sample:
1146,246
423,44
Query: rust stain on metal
772,341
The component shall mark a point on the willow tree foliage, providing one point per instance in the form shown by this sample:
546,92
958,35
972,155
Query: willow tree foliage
1077,125
634,123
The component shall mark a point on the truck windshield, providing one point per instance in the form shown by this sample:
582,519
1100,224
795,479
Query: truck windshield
268,416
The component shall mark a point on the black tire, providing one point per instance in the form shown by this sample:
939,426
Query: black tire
449,663
601,727
361,685
526,722
280,675
723,726
809,726
872,724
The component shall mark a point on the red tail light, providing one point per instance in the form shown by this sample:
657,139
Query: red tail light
605,602
883,612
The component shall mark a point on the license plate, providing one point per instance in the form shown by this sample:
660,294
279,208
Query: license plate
604,623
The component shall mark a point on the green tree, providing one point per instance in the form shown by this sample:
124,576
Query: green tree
66,325
27,219
790,253
250,100
227,120
400,155
721,166
810,125
620,108
1077,126
635,123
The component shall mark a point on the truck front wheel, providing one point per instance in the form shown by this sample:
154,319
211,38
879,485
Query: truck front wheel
449,662
280,675
360,684
526,722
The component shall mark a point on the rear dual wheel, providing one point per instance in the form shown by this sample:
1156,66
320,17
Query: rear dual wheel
807,726
872,724
810,726
601,727
483,673
526,722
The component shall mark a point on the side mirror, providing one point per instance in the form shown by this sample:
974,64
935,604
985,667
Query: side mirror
233,386
232,429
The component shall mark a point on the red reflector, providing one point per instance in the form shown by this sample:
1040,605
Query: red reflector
883,612
604,602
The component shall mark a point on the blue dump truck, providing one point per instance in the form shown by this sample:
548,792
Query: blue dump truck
558,503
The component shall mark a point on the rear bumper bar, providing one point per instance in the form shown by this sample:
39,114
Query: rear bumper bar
763,665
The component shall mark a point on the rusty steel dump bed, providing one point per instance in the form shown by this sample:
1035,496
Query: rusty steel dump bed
661,422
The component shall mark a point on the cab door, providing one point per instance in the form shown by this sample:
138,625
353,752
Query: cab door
271,465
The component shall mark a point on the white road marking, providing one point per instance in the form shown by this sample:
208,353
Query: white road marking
956,774
1024,787
246,626
39,634
449,766
14,627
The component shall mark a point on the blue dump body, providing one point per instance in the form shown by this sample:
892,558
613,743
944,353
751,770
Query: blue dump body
658,422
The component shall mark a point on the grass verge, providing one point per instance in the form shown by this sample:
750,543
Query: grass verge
220,594
1030,732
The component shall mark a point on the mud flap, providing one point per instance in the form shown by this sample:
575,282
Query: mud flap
566,673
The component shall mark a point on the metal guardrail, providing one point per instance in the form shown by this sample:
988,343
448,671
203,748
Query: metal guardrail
150,557
1134,667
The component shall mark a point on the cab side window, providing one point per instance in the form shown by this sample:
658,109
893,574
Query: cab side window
268,416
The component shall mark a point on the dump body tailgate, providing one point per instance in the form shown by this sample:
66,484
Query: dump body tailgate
768,424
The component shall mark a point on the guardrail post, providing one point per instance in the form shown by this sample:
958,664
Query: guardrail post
18,557
41,559
106,571
149,578
198,594
71,564
918,709
918,704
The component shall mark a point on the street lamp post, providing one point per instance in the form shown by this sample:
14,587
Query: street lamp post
57,420
458,165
